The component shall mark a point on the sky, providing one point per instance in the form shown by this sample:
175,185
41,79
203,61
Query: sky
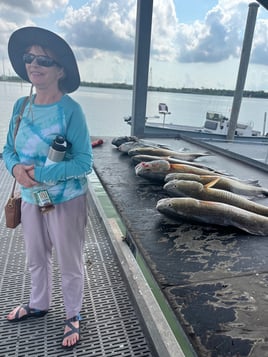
194,43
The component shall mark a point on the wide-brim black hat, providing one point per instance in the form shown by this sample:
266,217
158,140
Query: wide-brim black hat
25,37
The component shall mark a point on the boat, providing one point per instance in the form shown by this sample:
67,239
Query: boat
216,125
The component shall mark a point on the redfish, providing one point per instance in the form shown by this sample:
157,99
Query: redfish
158,169
123,139
129,145
153,170
213,213
182,188
139,158
187,156
224,183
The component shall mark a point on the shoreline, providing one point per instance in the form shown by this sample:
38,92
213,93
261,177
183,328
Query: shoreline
201,91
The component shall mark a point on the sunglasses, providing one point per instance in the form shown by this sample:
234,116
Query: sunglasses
43,61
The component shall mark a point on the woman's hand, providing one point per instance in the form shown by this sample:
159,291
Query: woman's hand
24,174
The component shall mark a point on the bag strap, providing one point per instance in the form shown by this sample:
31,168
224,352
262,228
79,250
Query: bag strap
15,133
19,118
13,189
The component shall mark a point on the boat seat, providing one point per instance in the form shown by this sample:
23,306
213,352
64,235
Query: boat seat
163,108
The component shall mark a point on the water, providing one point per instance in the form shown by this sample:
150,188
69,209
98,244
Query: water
106,108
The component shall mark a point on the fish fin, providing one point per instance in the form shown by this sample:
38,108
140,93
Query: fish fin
212,183
253,198
212,177
253,182
173,166
183,149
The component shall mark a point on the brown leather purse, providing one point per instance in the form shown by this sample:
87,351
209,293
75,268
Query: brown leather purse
13,209
13,205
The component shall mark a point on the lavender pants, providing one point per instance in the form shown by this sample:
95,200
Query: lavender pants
64,229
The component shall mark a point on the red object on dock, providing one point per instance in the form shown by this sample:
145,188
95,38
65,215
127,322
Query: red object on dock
97,142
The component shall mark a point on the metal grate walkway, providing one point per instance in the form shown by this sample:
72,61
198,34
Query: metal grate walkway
111,324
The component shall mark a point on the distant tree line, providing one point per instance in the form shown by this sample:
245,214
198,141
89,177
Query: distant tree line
10,79
205,91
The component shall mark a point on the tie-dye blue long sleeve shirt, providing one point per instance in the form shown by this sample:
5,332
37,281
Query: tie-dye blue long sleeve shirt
39,126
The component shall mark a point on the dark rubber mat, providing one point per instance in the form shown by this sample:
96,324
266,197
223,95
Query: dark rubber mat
214,278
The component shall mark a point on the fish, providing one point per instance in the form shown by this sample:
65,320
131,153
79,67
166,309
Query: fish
125,147
224,183
157,170
189,168
187,156
123,139
139,158
210,212
183,188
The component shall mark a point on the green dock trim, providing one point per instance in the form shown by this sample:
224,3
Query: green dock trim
171,319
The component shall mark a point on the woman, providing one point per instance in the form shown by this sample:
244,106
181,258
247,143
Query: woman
48,63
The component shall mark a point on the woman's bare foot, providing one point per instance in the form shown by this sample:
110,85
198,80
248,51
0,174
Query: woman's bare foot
22,312
19,310
71,332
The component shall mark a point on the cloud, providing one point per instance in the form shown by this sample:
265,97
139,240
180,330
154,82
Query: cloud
164,30
220,35
104,31
111,26
16,13
101,25
215,39
33,7
259,53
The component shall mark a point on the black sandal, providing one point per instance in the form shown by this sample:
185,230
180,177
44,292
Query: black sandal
29,313
73,330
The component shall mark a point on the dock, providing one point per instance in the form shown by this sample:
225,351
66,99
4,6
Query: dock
120,316
214,279
154,287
